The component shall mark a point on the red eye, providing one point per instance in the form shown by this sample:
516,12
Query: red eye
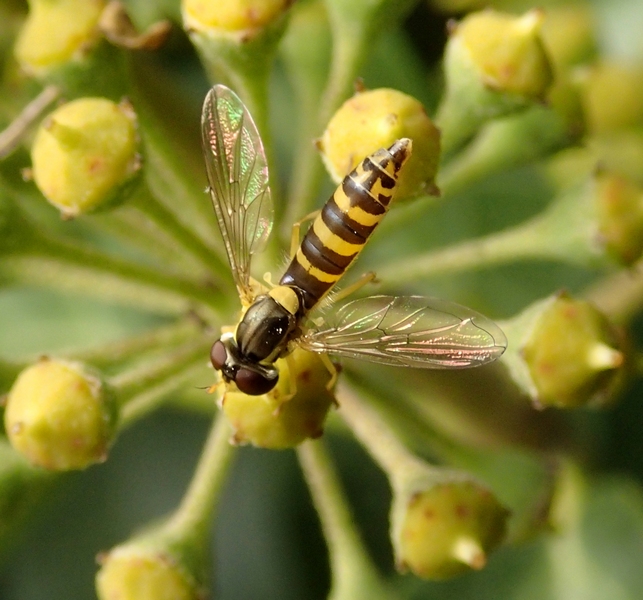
218,355
253,383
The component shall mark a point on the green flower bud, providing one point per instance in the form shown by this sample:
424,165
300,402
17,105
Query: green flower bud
84,153
620,216
275,421
494,64
613,97
519,139
376,119
137,571
57,32
565,353
60,416
444,523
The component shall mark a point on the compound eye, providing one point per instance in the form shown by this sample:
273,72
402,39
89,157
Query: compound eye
218,355
253,383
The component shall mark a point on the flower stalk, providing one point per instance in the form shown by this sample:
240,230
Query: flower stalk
63,265
353,26
443,522
16,131
565,231
354,576
141,389
171,559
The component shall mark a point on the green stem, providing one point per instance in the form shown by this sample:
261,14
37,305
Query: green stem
355,25
66,265
353,574
377,437
565,231
15,132
120,351
193,519
504,247
349,50
141,389
619,295
131,227
174,169
148,204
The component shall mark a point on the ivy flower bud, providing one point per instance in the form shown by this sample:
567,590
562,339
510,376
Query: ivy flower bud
613,95
243,18
519,138
444,523
375,119
84,153
620,216
237,41
275,421
565,353
137,571
57,32
568,33
494,64
60,416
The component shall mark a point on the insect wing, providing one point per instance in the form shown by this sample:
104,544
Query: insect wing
238,175
409,331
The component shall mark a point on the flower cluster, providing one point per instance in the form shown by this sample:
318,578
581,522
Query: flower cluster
526,167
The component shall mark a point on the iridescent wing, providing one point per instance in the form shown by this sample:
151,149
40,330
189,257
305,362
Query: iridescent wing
238,174
409,331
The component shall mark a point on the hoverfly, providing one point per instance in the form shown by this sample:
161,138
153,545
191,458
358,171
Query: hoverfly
407,331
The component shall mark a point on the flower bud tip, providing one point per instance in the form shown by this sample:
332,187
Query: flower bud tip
470,553
602,357
531,21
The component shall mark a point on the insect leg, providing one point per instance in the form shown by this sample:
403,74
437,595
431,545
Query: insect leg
351,289
331,369
296,228
219,388
292,381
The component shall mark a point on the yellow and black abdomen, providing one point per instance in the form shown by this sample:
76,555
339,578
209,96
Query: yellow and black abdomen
344,225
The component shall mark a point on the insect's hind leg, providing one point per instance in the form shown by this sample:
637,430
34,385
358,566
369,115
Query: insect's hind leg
353,287
296,229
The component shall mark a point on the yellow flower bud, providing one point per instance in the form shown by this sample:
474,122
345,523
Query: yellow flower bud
274,421
135,572
375,119
613,95
445,524
59,416
567,354
507,51
620,216
232,16
495,64
56,32
83,154
568,33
